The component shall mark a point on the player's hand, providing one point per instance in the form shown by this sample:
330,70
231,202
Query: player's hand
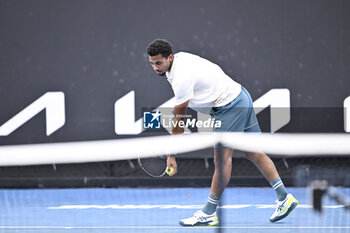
171,162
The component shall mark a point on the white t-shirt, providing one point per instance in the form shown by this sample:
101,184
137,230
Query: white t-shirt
201,82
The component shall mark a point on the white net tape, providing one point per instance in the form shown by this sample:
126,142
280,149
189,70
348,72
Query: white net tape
121,149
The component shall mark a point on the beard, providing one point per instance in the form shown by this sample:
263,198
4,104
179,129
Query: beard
161,74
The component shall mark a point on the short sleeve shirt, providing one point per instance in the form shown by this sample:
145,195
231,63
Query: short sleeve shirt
201,82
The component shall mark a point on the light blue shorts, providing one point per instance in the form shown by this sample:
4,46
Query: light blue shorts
237,116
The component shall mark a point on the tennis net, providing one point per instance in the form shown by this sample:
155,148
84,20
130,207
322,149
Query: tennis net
314,167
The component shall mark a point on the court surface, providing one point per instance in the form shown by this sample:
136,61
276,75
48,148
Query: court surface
158,210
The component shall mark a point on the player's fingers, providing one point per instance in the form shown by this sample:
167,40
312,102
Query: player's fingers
174,166
169,165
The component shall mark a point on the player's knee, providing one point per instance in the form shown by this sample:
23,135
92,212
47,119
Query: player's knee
223,161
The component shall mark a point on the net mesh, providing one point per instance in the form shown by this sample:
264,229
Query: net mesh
116,195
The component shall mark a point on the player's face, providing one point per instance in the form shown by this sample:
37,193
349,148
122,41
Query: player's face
161,64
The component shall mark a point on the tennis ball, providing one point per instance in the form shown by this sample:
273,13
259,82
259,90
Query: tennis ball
170,172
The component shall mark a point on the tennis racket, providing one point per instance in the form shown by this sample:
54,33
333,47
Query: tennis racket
154,166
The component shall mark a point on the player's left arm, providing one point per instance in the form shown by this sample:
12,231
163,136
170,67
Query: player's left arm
179,114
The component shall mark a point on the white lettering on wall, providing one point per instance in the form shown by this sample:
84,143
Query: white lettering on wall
51,102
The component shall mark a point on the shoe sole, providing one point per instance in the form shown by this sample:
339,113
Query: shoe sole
199,224
290,209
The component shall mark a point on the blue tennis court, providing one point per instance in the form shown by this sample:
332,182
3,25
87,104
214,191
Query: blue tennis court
158,210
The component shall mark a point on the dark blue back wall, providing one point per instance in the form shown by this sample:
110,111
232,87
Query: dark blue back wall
94,52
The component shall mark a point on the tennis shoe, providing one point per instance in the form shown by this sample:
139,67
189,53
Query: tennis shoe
200,219
284,208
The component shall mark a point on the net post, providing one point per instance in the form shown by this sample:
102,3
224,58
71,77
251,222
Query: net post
318,189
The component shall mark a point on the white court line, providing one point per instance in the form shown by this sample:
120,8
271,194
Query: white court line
170,227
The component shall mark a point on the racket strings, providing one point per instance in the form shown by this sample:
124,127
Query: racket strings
154,166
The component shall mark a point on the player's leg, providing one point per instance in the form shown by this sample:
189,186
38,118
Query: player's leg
261,160
222,174
264,164
285,202
221,177
268,169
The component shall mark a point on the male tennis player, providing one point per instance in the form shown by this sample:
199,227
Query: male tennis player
200,84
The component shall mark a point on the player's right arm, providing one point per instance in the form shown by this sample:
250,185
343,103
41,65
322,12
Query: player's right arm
179,114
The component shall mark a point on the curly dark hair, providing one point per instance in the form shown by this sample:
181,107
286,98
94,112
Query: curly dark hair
160,46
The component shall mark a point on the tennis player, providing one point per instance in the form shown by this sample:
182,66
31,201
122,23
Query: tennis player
200,84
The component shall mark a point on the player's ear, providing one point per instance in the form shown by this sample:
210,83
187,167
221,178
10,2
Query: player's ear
171,57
